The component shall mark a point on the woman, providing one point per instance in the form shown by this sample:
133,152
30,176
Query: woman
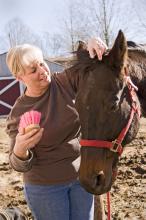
49,157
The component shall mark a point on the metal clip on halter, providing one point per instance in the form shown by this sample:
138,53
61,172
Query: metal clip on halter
115,146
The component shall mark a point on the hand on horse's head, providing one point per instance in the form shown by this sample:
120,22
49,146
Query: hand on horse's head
97,47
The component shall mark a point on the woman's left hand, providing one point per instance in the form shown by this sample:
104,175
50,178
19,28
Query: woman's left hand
97,47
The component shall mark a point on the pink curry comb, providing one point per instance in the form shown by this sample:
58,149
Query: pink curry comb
30,120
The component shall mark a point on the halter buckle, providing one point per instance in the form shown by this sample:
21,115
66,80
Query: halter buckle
115,146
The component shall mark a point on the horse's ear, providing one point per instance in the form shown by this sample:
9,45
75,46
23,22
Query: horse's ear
118,53
81,45
82,52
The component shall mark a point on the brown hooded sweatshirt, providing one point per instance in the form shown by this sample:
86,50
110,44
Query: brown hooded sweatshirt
56,158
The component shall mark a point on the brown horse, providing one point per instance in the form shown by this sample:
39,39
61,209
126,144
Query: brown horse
105,101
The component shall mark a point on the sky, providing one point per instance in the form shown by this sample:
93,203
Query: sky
39,15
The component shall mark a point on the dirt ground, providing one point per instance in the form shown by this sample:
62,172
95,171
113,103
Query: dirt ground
128,194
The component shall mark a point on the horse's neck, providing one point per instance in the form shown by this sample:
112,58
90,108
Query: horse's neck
137,71
137,66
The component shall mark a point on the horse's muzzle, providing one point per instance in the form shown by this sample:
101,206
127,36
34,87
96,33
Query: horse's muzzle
96,184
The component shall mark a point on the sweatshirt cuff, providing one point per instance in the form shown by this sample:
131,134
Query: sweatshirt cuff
19,164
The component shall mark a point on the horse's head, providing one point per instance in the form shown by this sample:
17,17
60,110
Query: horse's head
104,105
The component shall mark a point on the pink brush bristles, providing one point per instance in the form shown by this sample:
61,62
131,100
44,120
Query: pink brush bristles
28,118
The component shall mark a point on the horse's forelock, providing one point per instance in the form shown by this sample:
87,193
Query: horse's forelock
83,60
83,56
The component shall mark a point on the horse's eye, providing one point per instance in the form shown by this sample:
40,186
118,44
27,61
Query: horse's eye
113,107
114,104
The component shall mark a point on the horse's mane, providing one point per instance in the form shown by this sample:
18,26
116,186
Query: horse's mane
140,48
83,55
82,61
137,62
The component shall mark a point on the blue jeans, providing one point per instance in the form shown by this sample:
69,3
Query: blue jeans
60,202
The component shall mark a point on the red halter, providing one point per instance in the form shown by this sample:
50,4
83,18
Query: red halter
116,145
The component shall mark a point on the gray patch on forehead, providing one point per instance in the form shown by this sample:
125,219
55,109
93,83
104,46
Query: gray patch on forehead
90,84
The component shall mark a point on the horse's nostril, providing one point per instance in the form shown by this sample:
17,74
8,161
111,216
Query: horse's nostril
100,179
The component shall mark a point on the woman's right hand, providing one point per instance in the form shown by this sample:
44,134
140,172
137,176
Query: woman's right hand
24,142
97,47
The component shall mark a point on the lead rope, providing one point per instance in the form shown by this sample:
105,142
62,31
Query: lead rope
108,206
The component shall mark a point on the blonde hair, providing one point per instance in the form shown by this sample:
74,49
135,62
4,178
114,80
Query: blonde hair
21,56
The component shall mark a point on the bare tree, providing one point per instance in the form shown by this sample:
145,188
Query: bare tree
87,18
101,18
108,16
52,44
18,33
74,25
